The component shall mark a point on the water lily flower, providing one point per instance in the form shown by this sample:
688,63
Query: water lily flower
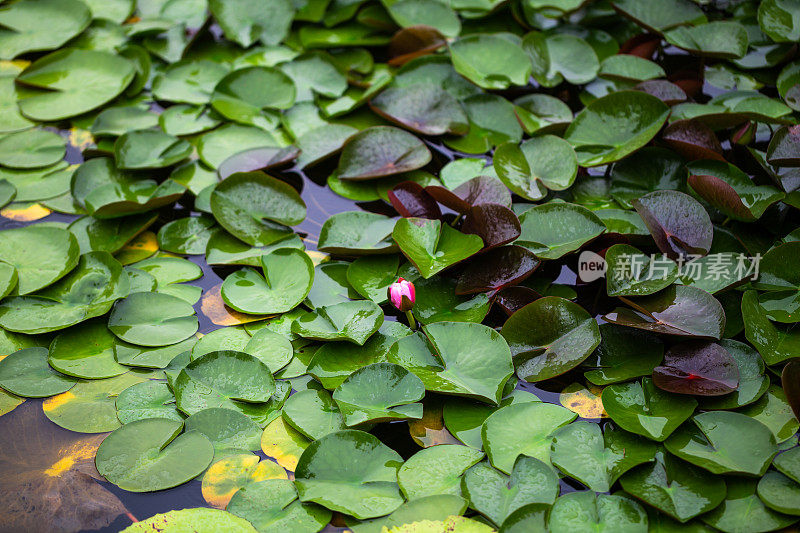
402,295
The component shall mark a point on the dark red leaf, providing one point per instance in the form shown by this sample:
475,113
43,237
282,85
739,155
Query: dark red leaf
720,194
412,42
790,379
693,140
642,45
697,368
784,148
678,223
495,224
477,191
256,159
411,200
497,269
664,90
512,299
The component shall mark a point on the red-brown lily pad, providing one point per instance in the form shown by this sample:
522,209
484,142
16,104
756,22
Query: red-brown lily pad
697,368
477,191
381,151
693,140
410,199
495,224
678,223
497,269
412,42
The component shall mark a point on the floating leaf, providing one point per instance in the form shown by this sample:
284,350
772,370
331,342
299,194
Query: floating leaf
272,505
150,454
496,269
152,319
775,342
352,472
226,429
288,276
224,478
674,487
379,392
357,233
436,470
743,509
597,458
254,207
432,246
614,126
149,399
644,409
58,83
677,310
313,413
523,429
425,109
723,39
490,61
543,161
381,151
555,229
496,495
632,273
581,511
23,31
713,441
549,337
40,255
245,23
193,519
352,321
677,222
26,373
697,368
460,358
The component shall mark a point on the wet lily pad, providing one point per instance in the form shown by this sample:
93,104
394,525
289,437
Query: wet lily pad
555,229
27,373
697,368
597,458
155,455
313,413
550,337
633,117
491,61
432,246
578,511
40,255
352,472
347,321
436,470
152,319
272,505
425,109
381,151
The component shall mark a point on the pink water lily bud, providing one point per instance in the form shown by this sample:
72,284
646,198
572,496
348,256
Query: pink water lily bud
402,295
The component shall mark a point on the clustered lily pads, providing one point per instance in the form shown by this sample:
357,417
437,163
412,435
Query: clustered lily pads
403,265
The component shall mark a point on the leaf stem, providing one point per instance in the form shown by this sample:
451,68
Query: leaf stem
411,322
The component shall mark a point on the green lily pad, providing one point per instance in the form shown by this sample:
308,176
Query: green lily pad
661,16
272,505
550,337
743,510
347,321
89,406
149,399
543,161
555,229
188,235
227,379
773,411
58,83
40,255
371,276
436,470
522,429
245,94
614,126
437,301
335,361
32,148
432,246
381,151
491,61
424,108
149,149
597,458
254,207
678,489
632,273
27,373
158,357
193,519
87,291
496,495
644,409
582,511
713,441
313,413
357,233
378,393
352,472
152,319
775,342
623,354
23,30
152,454
460,358
288,276
86,351
644,171
226,429
779,493
723,39
247,21
561,56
